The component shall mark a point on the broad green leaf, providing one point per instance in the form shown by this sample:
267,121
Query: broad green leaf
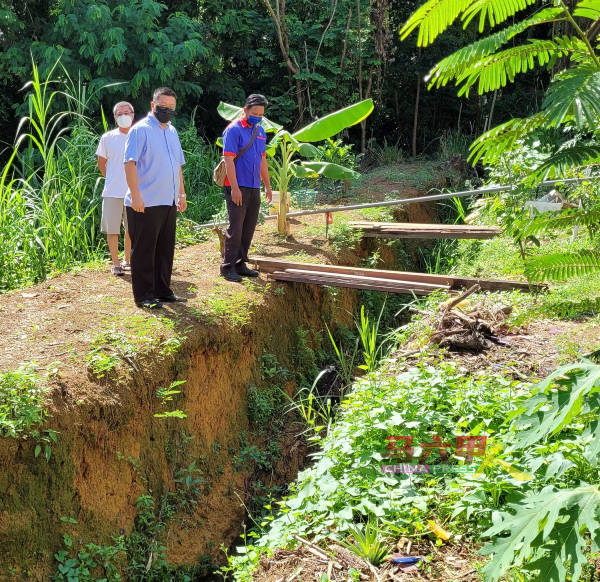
301,172
550,410
283,135
308,150
537,525
328,170
233,113
335,122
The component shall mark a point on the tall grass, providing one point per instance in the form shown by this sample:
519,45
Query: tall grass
50,188
204,197
49,215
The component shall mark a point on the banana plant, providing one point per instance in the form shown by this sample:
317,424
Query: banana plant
286,150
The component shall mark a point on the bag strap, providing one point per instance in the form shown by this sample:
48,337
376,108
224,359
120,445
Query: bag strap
245,149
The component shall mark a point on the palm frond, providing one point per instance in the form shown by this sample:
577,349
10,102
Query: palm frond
561,266
493,144
454,65
574,92
497,70
568,159
496,11
563,219
433,18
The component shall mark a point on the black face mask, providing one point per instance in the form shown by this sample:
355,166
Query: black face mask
163,114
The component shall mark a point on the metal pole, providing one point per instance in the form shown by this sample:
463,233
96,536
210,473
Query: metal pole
404,201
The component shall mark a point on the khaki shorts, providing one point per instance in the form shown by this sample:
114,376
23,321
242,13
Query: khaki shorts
113,212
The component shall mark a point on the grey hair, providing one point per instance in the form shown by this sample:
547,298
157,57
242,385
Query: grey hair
122,104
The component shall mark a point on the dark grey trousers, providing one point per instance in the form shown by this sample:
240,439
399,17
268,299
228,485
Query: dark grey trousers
242,223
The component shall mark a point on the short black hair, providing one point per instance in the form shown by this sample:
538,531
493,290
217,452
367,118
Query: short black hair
256,100
163,91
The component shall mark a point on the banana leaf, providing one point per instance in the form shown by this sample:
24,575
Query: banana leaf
335,122
326,169
283,135
233,113
308,150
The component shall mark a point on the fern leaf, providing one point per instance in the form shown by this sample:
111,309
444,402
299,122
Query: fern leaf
561,220
496,11
433,18
561,266
569,159
574,92
588,9
493,144
497,70
454,65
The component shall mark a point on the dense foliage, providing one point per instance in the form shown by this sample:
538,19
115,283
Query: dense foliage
212,51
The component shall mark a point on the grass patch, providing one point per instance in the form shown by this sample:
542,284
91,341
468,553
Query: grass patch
579,342
126,339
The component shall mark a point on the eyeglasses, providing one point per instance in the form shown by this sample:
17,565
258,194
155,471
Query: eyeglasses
171,109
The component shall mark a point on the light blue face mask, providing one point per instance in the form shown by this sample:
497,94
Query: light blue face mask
254,119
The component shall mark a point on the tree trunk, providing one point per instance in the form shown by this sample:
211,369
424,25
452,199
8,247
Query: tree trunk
337,83
492,109
416,116
363,123
280,22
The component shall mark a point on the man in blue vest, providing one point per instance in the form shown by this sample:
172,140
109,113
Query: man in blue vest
242,185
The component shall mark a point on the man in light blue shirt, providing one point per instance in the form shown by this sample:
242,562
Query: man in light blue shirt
153,160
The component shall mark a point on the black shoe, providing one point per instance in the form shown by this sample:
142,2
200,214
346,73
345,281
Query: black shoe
149,304
170,298
229,274
244,271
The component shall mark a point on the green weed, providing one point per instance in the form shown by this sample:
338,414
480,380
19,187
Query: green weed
22,399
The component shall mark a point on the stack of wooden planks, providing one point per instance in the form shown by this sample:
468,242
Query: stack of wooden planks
376,279
414,230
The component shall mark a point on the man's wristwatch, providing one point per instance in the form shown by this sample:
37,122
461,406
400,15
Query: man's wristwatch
182,195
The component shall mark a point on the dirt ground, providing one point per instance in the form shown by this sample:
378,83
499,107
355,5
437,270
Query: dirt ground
454,561
57,323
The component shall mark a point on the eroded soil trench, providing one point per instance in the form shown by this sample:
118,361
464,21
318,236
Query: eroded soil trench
117,469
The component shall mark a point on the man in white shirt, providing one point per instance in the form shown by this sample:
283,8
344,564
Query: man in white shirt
111,150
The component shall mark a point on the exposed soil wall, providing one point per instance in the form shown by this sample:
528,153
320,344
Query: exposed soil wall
111,448
87,477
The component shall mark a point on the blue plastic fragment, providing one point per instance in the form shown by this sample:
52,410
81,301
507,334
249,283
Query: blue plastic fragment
406,561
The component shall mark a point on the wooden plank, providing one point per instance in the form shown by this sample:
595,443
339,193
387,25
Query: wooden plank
423,226
369,279
340,281
417,230
269,265
426,234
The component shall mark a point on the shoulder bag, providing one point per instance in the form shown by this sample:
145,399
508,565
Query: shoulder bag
220,171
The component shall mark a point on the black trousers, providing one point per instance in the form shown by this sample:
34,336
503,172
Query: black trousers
242,223
152,235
